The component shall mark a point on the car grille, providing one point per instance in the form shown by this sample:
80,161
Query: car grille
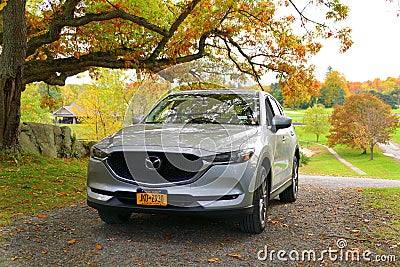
174,167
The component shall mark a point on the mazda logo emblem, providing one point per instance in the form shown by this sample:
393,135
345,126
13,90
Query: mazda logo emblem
153,163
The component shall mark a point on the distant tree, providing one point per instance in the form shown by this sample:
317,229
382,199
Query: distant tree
316,120
276,92
104,104
50,96
30,106
363,121
396,94
334,89
387,98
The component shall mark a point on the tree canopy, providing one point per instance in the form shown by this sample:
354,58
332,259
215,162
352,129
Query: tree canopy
316,120
70,36
334,89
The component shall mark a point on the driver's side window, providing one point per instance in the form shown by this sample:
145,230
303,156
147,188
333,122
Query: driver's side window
269,111
273,108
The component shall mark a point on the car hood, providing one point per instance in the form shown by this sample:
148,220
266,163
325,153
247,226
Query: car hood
199,139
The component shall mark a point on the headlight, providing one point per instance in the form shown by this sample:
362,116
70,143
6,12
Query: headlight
98,153
231,157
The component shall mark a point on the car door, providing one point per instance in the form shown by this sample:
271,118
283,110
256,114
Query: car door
282,156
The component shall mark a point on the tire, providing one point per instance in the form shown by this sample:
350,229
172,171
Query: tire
255,223
111,216
290,193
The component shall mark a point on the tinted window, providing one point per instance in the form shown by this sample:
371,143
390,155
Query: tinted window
276,107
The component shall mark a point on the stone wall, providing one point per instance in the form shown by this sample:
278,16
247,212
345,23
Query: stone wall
50,140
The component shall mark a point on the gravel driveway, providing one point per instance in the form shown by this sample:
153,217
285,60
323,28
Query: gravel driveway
322,217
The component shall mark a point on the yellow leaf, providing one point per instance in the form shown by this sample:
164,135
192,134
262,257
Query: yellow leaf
72,241
213,259
99,247
234,255
2,5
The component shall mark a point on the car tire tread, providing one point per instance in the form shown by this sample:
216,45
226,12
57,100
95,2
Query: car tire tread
252,223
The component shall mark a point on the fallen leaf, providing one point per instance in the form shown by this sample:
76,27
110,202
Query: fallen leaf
213,259
14,258
42,216
99,247
234,255
72,241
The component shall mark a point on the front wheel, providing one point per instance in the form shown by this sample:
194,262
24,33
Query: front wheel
255,223
290,193
111,216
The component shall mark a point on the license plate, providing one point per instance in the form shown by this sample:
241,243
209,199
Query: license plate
151,197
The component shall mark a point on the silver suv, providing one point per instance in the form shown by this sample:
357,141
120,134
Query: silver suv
206,152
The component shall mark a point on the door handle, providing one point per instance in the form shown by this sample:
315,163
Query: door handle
284,138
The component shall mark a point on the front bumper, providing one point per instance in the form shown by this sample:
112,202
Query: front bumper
224,190
114,204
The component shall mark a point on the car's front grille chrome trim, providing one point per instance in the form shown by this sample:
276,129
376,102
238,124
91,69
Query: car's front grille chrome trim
116,164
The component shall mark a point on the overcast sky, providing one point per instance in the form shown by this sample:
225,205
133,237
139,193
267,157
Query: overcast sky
376,49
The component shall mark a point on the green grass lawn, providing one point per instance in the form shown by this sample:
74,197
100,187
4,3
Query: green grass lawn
308,137
384,201
31,183
396,136
380,167
296,115
324,163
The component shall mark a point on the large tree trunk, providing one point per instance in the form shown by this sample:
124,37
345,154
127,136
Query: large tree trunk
11,70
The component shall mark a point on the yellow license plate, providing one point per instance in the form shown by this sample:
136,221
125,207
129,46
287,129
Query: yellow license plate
151,197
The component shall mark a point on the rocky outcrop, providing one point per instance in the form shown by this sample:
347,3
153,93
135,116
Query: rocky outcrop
50,140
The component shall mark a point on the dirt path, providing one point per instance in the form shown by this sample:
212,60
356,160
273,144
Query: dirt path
342,160
347,182
323,218
391,149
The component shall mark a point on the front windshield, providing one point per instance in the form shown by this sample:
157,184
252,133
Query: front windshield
224,108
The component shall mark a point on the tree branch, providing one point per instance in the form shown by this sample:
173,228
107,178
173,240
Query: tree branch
173,29
55,71
66,20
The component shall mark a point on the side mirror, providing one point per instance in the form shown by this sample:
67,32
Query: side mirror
137,118
280,122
